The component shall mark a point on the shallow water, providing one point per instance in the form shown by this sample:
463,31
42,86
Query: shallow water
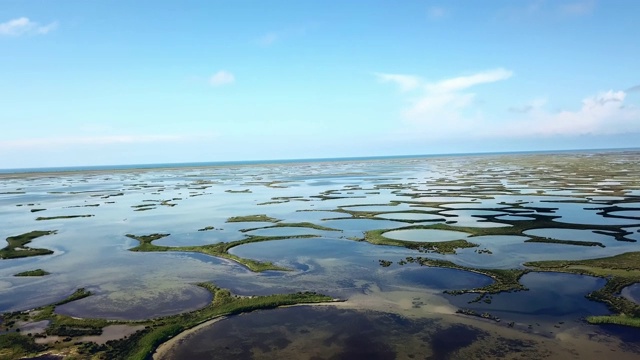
426,235
93,252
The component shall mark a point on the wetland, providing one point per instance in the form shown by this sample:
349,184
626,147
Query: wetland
444,257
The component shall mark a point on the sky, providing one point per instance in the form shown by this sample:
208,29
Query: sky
91,82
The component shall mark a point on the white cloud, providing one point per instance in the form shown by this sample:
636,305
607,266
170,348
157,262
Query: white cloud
441,104
221,78
436,12
447,109
406,82
464,82
601,114
24,26
268,39
584,7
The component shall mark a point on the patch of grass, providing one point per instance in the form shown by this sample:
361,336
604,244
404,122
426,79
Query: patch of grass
299,224
37,272
614,319
377,237
252,218
41,218
505,280
564,242
16,247
219,249
15,346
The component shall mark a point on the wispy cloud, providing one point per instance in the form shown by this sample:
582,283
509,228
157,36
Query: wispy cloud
542,9
441,104
601,114
268,39
449,109
406,82
633,89
24,26
578,8
221,78
436,12
277,36
464,82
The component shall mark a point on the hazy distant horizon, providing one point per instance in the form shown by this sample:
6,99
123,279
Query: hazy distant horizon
188,164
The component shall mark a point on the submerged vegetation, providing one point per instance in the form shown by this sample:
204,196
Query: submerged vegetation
16,247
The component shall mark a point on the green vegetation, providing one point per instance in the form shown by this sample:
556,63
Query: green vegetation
564,242
141,344
40,218
620,271
15,346
219,249
299,224
245,191
208,228
377,237
224,303
614,319
37,272
484,315
16,247
505,280
252,218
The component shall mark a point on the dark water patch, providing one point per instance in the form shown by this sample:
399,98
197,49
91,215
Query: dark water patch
632,293
626,334
551,297
326,333
443,279
451,339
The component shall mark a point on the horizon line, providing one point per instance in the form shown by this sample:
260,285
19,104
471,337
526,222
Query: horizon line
146,166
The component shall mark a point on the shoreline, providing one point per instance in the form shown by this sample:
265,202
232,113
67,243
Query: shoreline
166,347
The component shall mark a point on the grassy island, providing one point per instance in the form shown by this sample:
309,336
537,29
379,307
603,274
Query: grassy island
377,237
620,271
505,280
219,249
41,218
252,218
16,247
37,272
299,225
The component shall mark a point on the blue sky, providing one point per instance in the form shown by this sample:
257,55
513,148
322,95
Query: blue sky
128,82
